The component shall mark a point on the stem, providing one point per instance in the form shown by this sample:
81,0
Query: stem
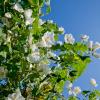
26,76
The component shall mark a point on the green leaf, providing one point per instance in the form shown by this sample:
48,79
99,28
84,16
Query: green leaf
56,37
35,89
56,47
97,92
92,96
73,73
48,9
85,92
80,47
72,98
59,86
63,73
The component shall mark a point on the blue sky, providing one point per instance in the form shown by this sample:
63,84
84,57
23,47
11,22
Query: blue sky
80,17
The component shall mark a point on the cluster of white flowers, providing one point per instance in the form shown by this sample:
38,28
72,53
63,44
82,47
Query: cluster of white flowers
47,41
34,57
93,48
15,96
73,90
77,90
69,38
27,13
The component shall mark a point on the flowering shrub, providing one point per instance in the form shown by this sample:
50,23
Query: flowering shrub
34,63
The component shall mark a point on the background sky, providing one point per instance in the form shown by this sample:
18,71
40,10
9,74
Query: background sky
80,17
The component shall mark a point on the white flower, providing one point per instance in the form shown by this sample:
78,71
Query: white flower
97,55
47,2
8,15
90,45
76,90
41,22
69,85
18,7
69,38
48,39
43,67
70,92
34,57
93,47
73,91
96,46
46,70
50,21
61,29
15,96
29,21
28,13
93,82
85,38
